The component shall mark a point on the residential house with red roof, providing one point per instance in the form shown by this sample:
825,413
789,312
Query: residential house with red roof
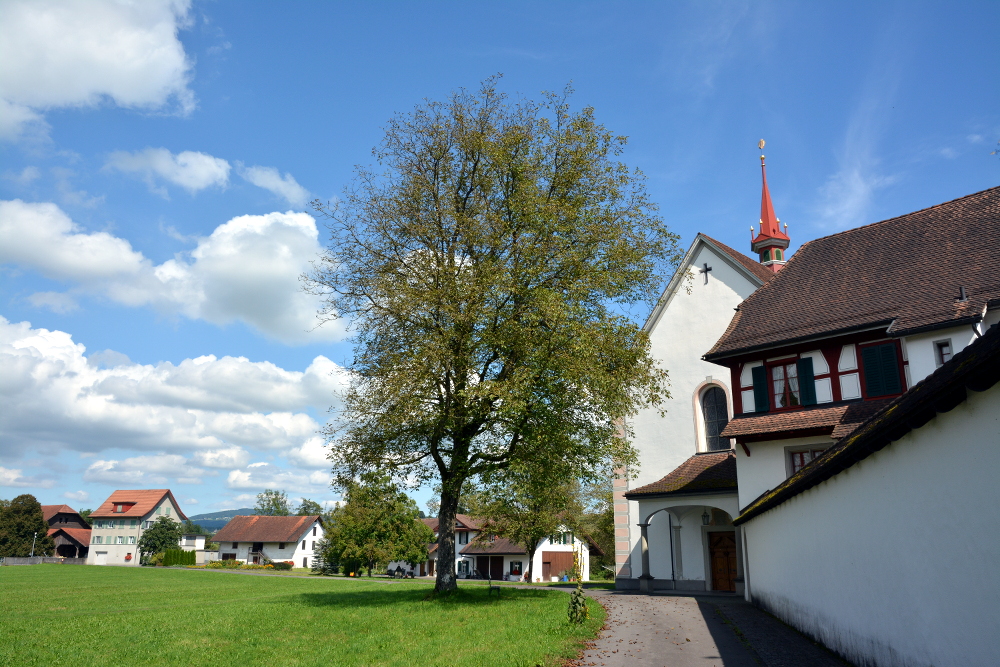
480,555
673,515
256,539
69,530
120,521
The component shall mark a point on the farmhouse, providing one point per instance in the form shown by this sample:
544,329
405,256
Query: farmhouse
257,539
120,521
466,529
499,558
69,530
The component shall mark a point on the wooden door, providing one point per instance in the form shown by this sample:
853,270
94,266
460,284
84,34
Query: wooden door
546,570
722,553
423,571
558,562
496,567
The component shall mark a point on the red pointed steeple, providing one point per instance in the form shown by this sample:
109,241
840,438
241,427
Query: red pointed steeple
770,242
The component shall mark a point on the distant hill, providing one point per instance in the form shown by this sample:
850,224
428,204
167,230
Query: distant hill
214,521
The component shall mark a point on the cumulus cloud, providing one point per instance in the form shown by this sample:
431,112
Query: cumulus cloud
271,179
15,477
269,476
311,454
81,496
216,409
190,170
247,270
60,53
141,471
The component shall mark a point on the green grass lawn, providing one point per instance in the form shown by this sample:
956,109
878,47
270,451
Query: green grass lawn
78,614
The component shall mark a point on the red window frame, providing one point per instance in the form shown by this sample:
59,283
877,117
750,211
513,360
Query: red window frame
769,367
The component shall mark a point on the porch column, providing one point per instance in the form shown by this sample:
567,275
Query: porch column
646,578
678,560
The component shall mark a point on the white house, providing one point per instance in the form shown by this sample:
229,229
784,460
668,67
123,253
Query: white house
676,514
498,558
119,522
254,539
466,529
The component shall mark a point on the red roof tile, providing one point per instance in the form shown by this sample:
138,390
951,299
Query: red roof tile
265,528
899,274
711,471
821,418
80,535
145,501
464,519
49,511
500,546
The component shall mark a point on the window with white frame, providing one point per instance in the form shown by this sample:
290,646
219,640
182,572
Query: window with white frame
942,351
463,537
715,412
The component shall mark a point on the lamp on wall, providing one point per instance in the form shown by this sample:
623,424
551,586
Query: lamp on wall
705,518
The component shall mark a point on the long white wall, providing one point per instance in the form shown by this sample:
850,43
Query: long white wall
893,562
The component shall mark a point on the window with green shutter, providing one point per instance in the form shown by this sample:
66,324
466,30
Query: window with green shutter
761,395
807,381
881,366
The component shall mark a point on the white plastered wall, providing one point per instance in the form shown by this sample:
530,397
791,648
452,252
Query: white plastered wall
686,329
893,561
767,465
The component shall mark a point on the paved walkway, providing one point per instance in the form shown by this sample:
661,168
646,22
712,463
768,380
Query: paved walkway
674,630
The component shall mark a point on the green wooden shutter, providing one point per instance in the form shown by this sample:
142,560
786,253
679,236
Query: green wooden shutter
807,381
890,368
761,400
881,370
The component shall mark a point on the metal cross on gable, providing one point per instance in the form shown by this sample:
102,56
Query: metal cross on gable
705,271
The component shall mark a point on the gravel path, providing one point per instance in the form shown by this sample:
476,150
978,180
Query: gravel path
704,631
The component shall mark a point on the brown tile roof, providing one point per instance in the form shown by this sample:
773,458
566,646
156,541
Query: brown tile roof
79,535
903,273
756,268
500,546
145,501
837,420
265,528
975,368
711,471
49,511
464,519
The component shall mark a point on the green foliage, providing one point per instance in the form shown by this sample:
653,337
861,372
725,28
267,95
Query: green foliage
271,502
165,533
577,611
485,272
209,618
308,508
598,523
85,515
283,564
23,524
178,557
376,524
224,564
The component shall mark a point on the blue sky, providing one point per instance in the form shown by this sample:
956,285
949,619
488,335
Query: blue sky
157,159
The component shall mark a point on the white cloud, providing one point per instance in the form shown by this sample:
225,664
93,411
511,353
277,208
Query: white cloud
311,454
271,179
81,496
191,501
25,176
203,413
14,477
230,457
268,476
247,270
60,53
190,170
57,302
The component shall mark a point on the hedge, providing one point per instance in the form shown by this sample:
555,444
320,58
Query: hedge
178,557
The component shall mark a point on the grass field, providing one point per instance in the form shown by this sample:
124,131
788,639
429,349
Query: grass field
78,614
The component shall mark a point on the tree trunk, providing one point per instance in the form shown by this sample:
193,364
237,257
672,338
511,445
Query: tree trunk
531,563
446,580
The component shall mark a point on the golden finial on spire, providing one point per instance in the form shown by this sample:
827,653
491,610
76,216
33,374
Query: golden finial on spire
760,146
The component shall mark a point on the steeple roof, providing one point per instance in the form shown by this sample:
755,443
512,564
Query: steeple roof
770,227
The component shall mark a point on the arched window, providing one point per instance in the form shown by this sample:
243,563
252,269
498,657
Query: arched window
716,414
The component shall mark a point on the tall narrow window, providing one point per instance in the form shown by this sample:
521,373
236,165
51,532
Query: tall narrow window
716,414
942,350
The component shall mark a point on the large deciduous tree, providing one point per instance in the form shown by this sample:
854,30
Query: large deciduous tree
23,524
165,533
271,502
487,271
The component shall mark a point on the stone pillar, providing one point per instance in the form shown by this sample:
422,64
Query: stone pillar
646,579
678,559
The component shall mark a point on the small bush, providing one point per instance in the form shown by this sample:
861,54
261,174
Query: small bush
283,565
